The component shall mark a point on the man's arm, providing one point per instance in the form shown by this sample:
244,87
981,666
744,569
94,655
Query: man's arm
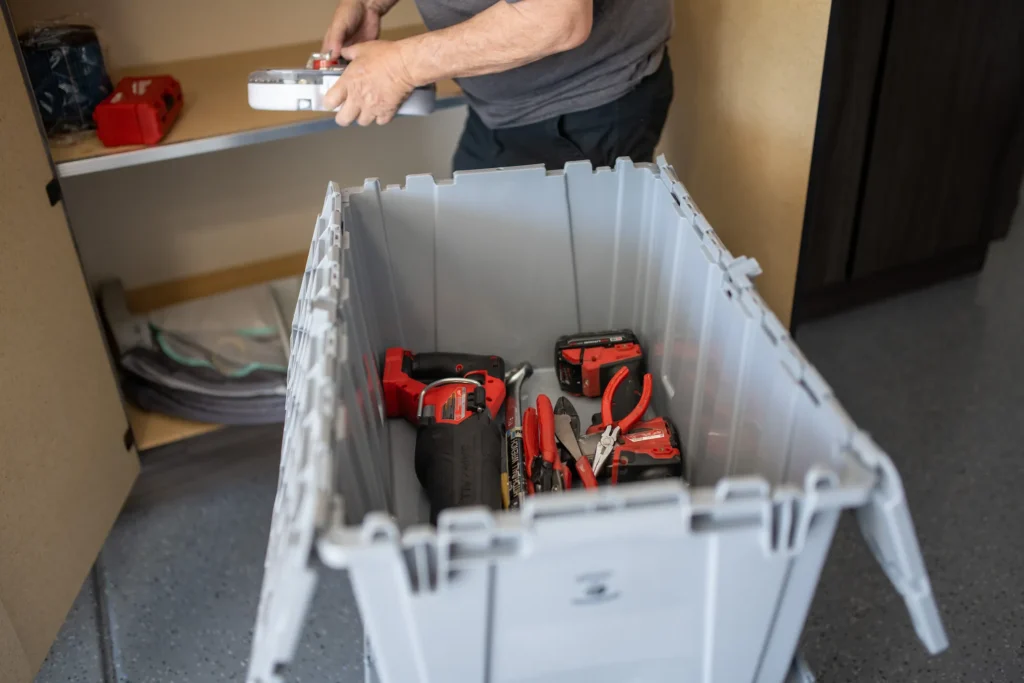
506,35
502,37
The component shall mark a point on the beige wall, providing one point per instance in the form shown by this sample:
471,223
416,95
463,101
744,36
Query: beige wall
154,31
184,217
748,73
179,218
747,79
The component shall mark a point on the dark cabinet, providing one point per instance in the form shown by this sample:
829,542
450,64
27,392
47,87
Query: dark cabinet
919,147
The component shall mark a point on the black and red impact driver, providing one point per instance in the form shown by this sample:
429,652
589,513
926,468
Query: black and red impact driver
454,400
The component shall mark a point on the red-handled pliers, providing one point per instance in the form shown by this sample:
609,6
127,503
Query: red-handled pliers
531,446
549,476
567,437
611,428
635,415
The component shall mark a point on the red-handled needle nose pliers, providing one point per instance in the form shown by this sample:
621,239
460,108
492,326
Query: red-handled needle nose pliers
635,415
531,447
611,428
551,470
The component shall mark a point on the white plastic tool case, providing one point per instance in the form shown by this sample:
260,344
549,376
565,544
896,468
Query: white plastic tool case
304,89
642,583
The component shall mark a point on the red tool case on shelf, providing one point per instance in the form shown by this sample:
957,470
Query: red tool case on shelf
140,111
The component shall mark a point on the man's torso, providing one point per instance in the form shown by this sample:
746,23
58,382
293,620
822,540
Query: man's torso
625,45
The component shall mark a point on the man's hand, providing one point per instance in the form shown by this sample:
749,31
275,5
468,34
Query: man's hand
355,21
373,85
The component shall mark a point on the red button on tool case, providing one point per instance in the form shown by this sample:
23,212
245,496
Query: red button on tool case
140,111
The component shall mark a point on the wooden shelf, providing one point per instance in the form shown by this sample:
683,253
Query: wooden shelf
216,113
153,429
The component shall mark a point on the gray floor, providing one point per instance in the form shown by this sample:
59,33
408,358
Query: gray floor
181,572
935,376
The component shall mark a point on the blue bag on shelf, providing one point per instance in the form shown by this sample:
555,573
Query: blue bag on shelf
65,67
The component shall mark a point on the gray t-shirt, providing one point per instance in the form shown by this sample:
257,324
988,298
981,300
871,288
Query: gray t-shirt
626,44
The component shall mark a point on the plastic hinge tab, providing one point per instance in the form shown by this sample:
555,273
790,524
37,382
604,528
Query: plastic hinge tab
742,488
344,291
790,522
671,181
754,307
688,207
341,423
713,247
343,345
791,358
739,274
701,223
815,384
743,268
888,529
327,300
772,326
688,212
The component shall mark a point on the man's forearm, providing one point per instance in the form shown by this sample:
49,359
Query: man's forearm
501,37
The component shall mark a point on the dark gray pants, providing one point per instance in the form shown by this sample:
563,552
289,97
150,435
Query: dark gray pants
628,127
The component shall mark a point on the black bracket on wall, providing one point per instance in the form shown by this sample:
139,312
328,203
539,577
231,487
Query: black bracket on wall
53,192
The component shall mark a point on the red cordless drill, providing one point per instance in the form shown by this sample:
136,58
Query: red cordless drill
454,400
587,362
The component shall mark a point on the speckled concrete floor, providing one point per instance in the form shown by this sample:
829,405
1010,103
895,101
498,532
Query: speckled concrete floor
936,376
181,577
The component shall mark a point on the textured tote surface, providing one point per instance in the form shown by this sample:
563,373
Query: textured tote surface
503,262
64,468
